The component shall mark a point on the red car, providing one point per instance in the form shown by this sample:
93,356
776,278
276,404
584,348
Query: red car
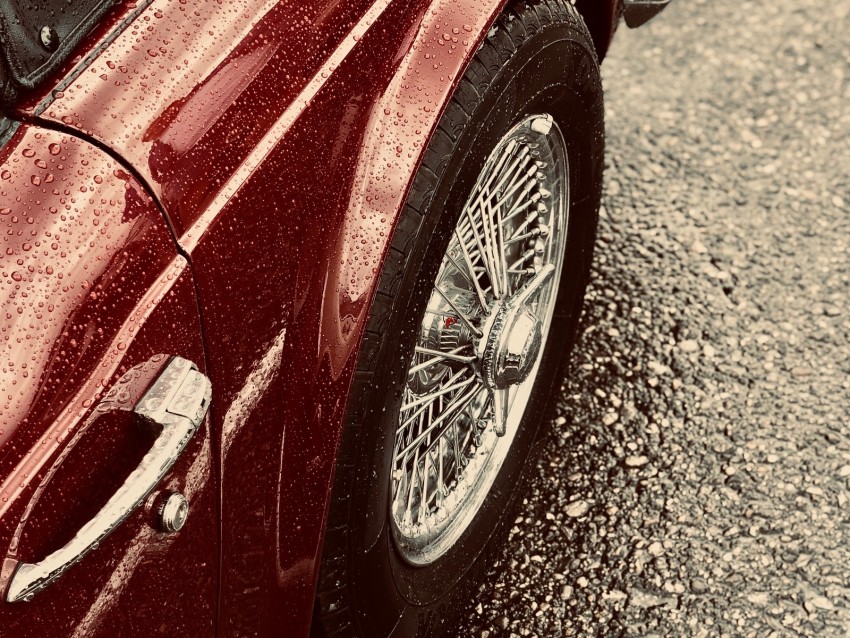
286,290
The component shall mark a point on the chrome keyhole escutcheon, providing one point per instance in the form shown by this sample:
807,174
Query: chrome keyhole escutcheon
173,513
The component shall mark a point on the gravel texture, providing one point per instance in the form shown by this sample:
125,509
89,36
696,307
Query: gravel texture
696,480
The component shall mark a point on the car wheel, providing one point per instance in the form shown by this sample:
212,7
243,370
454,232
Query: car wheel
476,309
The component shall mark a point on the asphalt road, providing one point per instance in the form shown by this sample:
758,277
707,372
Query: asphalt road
696,480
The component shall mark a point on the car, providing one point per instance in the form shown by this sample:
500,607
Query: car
287,288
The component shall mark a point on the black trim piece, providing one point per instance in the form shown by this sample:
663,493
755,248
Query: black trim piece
639,12
28,60
7,129
94,53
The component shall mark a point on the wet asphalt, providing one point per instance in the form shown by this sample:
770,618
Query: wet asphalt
695,479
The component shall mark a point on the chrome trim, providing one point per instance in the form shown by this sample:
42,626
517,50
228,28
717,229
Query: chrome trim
173,513
174,407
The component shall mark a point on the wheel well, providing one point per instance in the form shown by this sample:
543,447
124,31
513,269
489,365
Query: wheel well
601,17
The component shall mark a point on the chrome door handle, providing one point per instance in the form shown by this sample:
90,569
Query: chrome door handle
175,405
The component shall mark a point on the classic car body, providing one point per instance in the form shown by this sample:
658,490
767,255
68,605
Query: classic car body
215,181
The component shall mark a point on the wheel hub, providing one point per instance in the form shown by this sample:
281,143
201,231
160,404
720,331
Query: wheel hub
511,347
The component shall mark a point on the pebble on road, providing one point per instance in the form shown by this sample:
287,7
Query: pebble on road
704,490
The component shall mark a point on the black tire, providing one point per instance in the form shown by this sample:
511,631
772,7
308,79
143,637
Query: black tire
538,58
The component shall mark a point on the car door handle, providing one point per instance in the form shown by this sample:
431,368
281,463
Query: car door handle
175,406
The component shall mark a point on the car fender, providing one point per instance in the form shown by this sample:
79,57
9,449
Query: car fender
303,357
402,123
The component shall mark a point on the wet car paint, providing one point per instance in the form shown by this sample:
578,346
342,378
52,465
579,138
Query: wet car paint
279,140
92,285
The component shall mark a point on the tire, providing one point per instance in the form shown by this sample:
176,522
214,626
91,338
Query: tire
539,57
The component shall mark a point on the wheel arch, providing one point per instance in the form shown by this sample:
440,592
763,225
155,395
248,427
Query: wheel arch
400,128
401,123
601,18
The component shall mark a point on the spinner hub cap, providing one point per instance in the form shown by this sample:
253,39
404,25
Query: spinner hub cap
512,348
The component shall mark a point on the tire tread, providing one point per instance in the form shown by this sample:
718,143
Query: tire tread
333,617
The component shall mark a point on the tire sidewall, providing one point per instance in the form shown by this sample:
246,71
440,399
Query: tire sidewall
554,71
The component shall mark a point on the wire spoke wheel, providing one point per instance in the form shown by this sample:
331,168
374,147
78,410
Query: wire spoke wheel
492,247
479,346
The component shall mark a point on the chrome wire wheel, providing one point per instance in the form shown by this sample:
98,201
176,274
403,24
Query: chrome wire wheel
479,346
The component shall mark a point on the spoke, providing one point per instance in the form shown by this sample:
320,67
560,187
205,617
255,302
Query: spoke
451,354
423,493
514,169
529,181
497,170
521,205
413,416
525,256
492,228
494,215
428,398
503,262
469,241
492,235
533,286
398,485
439,355
470,278
529,235
455,445
533,216
481,250
481,298
441,484
490,251
454,408
469,431
460,315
